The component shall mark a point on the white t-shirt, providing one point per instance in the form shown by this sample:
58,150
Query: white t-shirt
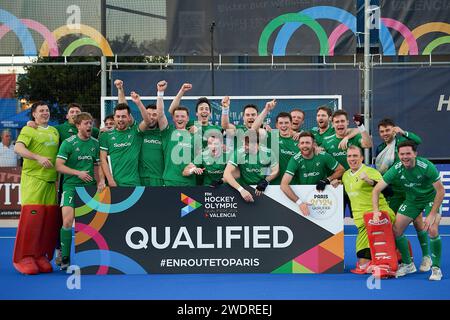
8,158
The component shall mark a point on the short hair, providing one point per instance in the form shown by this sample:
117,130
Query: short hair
326,109
109,117
283,115
202,100
34,107
6,131
82,116
151,106
122,106
298,110
74,105
338,113
306,134
408,143
386,122
353,147
252,106
181,108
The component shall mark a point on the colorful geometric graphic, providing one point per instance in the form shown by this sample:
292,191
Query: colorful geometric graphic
104,257
191,205
318,259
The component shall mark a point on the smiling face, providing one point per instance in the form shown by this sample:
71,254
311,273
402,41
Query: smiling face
72,113
41,115
354,158
386,133
323,119
203,113
85,129
249,116
297,120
180,119
306,145
340,124
284,125
407,156
122,119
153,115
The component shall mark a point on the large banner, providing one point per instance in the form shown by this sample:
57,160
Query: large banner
207,230
418,100
261,28
10,193
414,27
177,27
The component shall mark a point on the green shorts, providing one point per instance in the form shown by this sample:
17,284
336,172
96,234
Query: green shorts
413,209
37,191
152,182
68,197
395,202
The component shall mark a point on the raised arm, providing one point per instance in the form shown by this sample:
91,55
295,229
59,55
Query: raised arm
408,135
176,102
145,117
120,91
270,105
162,119
225,118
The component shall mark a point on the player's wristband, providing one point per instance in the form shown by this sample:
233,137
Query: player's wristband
299,201
191,170
225,111
160,94
240,189
361,128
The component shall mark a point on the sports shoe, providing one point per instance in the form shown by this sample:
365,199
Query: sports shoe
405,269
426,264
27,265
65,263
436,274
58,258
362,269
43,264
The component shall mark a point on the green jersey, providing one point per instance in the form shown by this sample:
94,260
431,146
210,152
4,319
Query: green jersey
44,142
310,171
79,155
123,149
288,148
331,145
151,161
360,192
253,167
66,130
318,136
178,147
417,181
397,189
214,166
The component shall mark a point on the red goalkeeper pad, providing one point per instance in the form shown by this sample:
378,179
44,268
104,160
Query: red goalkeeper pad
382,243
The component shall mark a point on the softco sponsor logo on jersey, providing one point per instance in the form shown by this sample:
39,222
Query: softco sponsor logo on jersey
84,158
152,141
122,145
